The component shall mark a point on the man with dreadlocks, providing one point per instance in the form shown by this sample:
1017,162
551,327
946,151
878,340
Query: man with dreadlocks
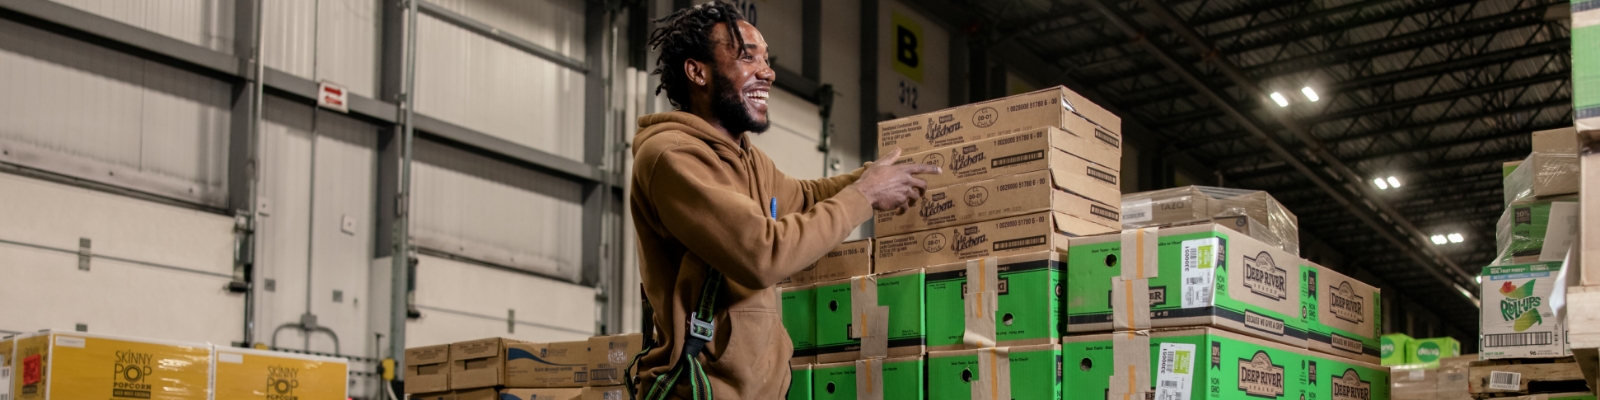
719,226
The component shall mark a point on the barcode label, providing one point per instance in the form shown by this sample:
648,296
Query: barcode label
1518,339
1175,371
607,374
1169,384
1199,275
1500,380
5,383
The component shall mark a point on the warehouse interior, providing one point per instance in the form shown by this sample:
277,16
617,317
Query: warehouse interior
351,178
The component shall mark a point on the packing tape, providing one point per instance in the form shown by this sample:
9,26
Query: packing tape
870,320
1139,255
1130,304
994,374
983,275
869,379
1130,369
982,302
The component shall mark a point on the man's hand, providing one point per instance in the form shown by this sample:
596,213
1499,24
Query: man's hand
890,186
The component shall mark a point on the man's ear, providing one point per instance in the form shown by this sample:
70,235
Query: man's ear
696,72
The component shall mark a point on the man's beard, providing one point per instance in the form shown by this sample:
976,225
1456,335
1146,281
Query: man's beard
727,104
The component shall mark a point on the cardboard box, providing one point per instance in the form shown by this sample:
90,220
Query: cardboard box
1586,68
799,306
852,258
800,382
1053,107
610,355
1334,377
603,393
1192,285
249,373
78,365
1588,271
1044,231
1428,352
428,369
902,377
1560,140
1542,176
1392,349
478,363
1001,197
1251,212
1521,233
544,365
1029,301
1343,315
1522,313
1417,382
1035,373
902,291
518,394
5,352
1220,365
1015,154
431,396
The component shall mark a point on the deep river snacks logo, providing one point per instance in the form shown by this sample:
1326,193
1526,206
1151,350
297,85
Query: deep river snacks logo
1259,377
129,373
942,128
1345,303
1520,305
1262,276
281,382
1349,386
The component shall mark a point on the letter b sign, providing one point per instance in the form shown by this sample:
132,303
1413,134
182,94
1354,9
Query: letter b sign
905,47
907,36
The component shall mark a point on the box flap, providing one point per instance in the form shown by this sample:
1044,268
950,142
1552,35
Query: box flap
481,348
1079,176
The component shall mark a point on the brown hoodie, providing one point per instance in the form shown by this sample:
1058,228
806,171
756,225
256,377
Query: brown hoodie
700,200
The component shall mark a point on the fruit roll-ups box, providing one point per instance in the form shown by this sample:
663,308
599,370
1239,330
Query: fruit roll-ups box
1190,363
1019,153
1053,107
1028,308
799,306
1192,275
838,338
1000,197
894,378
1024,372
1523,315
77,365
1029,233
1342,315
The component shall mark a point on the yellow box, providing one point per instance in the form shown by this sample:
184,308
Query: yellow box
256,374
77,365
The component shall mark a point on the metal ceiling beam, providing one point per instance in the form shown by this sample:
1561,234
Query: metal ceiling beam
1268,139
1460,31
1562,101
1442,97
1497,157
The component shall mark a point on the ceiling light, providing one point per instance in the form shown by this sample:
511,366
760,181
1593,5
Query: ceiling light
1480,279
1456,238
1278,97
1394,182
1381,183
1440,239
1310,94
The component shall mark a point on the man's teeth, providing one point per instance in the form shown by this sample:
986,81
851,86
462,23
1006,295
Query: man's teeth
758,96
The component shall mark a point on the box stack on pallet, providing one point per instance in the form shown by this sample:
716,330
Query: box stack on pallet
1584,298
77,365
508,369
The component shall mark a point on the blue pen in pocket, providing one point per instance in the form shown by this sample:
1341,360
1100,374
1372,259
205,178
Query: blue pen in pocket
773,206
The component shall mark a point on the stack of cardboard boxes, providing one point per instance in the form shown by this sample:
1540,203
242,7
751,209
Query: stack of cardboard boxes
506,369
1541,218
1251,212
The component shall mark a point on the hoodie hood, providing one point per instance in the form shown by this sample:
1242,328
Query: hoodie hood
653,124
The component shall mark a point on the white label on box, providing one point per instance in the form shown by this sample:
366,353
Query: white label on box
1500,380
1200,257
1175,375
1560,230
231,358
1136,211
74,342
5,383
1417,374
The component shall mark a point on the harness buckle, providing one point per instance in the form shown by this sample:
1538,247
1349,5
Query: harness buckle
702,330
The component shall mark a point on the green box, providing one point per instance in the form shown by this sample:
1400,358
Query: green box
1343,316
1392,349
1586,64
903,378
1035,373
799,306
1216,359
800,382
1030,302
1337,378
1429,351
902,291
1207,274
1520,232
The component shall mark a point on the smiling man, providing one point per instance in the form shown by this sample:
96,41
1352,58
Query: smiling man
719,226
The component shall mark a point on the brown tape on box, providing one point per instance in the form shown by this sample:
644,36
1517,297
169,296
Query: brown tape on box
994,374
982,302
1143,256
1130,377
869,379
871,320
1130,305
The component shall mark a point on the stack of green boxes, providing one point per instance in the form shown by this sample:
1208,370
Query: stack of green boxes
1540,220
1402,350
1586,65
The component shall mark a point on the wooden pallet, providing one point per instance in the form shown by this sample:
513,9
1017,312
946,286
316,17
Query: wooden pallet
1488,378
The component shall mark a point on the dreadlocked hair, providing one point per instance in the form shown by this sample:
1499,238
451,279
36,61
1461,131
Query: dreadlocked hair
687,35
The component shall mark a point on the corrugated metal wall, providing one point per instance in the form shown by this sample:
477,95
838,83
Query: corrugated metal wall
205,23
461,301
331,40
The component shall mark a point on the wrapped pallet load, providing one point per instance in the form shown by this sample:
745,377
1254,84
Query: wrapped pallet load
1251,212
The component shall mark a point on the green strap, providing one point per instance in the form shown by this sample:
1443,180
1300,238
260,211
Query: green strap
702,326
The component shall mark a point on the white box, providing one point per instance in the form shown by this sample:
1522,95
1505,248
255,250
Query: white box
1523,311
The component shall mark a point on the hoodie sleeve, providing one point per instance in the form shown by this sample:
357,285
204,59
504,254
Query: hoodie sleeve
706,208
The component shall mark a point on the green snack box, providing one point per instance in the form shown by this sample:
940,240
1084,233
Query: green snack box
1029,301
1209,361
800,382
902,291
1520,232
1207,274
1343,316
1428,351
902,379
1337,378
1586,65
1035,373
799,306
1392,349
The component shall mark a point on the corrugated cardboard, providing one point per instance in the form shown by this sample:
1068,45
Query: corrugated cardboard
1522,313
1334,377
852,258
1053,107
997,238
799,305
1015,154
995,198
1543,175
902,377
478,363
1417,382
547,365
902,291
610,355
1343,315
603,393
1560,140
1524,230
800,382
256,374
1029,301
77,365
519,394
1193,285
1588,273
1392,349
1429,352
1216,364
431,396
1252,212
1586,67
1036,373
428,369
